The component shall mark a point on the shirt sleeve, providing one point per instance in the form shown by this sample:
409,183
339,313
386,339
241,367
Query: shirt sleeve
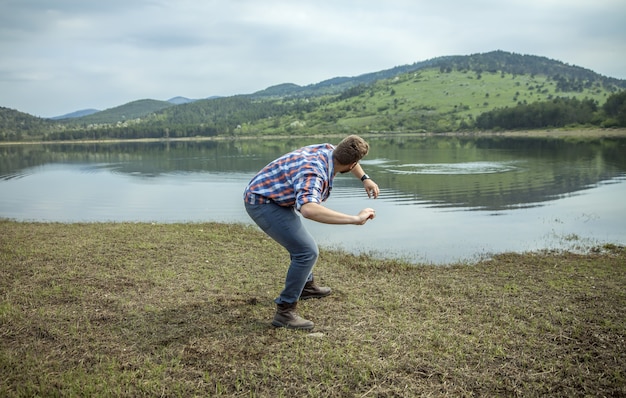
308,187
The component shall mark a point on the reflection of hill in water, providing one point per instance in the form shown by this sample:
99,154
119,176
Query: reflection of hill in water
482,173
498,173
146,160
497,191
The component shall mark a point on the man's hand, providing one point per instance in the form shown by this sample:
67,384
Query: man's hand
371,188
365,215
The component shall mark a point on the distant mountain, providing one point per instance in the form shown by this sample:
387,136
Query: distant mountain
501,61
86,112
180,100
491,62
279,90
81,113
123,113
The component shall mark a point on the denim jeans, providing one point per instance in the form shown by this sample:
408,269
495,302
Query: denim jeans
285,226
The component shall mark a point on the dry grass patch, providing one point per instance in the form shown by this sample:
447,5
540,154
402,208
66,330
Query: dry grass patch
185,309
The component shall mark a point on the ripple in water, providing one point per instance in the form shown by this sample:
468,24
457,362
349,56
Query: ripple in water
14,175
96,168
453,168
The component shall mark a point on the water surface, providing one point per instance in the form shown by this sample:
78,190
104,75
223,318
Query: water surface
443,199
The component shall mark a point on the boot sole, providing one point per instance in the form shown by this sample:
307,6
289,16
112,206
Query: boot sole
285,325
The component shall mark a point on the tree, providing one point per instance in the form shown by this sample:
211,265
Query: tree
615,110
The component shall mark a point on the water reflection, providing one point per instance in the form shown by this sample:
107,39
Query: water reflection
484,174
455,176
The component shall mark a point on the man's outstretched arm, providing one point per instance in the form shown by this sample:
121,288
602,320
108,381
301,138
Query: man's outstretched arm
319,213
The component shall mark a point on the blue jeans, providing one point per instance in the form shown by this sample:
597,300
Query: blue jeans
284,226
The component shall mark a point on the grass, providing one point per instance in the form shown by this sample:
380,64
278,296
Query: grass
127,309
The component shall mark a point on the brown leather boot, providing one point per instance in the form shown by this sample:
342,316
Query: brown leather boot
286,317
311,290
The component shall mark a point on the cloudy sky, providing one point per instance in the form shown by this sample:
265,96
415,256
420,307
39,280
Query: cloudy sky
59,56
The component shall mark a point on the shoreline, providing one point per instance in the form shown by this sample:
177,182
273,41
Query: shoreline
596,133
585,250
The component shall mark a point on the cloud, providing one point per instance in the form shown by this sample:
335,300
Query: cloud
62,55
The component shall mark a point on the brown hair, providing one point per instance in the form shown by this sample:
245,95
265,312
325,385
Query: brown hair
351,149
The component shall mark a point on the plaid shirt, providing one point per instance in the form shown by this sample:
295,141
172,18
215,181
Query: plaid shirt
302,176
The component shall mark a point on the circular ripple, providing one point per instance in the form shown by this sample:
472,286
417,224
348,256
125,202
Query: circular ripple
453,168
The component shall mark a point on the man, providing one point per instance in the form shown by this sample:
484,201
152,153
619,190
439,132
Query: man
300,181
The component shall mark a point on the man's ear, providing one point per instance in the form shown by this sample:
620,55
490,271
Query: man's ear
353,165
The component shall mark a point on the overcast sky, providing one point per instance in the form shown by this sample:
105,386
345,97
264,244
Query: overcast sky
59,56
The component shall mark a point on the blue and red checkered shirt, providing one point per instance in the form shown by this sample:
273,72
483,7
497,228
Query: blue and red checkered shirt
302,176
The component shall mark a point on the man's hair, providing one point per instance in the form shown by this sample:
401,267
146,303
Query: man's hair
351,149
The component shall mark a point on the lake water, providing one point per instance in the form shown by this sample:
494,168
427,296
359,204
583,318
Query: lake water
443,199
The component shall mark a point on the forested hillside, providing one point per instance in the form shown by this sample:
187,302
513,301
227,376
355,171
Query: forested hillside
17,126
130,111
496,90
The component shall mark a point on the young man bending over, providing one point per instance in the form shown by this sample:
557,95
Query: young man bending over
300,181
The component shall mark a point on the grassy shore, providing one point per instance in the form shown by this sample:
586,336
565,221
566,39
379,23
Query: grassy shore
184,310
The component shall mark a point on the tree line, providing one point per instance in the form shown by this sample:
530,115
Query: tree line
559,112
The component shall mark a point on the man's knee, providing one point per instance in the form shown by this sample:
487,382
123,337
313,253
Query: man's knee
308,254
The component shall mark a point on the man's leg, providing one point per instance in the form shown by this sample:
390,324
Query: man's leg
284,226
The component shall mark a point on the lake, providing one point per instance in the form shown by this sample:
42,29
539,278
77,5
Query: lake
443,199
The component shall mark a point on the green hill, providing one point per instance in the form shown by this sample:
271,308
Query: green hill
492,62
440,101
434,99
